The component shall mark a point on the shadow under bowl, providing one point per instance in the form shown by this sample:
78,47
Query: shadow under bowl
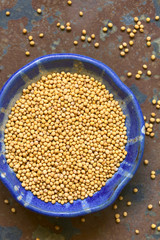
32,72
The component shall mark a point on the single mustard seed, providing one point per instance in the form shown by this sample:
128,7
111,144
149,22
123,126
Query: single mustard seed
120,47
137,231
148,19
129,30
57,228
27,53
24,31
75,43
30,38
62,27
39,11
68,24
153,226
158,102
153,172
105,29
131,42
7,13
118,220
136,26
83,38
157,120
126,50
135,190
41,35
32,43
125,214
122,53
139,23
158,106
146,162
148,38
136,19
123,28
131,35
144,66
110,25
120,198
58,24
148,43
153,176
149,73
69,2
83,219
68,28
84,32
115,206
147,133
6,201
93,36
152,120
124,44
158,228
150,206
134,31
89,39
153,57
96,45
117,215
141,26
156,18
145,118
141,30
13,210
154,101
80,13
139,72
138,76
129,203
129,74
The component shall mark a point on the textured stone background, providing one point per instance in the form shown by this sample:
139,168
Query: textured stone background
13,44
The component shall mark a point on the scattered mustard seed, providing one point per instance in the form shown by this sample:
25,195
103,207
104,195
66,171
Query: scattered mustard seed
69,2
141,26
135,190
139,72
131,42
148,38
58,24
154,101
83,219
118,220
129,203
157,120
156,18
68,24
81,14
122,53
158,102
131,35
145,118
105,29
129,30
137,231
68,28
27,53
139,23
93,36
158,228
39,11
144,66
120,47
30,38
136,19
89,39
6,201
136,26
123,28
96,45
32,43
150,206
115,206
124,44
148,43
141,30
152,120
153,176
153,226
138,76
13,210
158,106
149,73
110,25
134,31
41,35
153,172
7,13
129,74
62,27
84,32
57,228
125,214
75,43
83,38
148,19
126,50
153,57
24,31
120,198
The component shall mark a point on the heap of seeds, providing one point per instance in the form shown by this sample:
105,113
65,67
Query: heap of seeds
65,137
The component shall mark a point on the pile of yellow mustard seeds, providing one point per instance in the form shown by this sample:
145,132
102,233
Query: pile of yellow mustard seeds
65,137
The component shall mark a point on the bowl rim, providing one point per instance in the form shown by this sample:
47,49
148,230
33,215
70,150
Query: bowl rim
123,87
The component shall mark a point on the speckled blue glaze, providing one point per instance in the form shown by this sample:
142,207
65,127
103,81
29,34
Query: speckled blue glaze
135,132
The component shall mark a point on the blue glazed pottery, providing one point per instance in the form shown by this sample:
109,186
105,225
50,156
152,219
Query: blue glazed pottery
134,122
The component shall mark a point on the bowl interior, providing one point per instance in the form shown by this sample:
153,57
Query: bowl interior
134,122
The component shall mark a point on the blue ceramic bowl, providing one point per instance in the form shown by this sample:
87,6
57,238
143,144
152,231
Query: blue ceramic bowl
134,122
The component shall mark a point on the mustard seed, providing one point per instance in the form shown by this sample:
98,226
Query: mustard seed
148,38
83,219
129,30
27,53
146,162
89,39
93,36
156,18
30,38
131,35
135,190
6,201
139,23
150,206
129,203
158,228
131,43
122,53
144,66
120,47
39,11
83,38
62,27
24,31
120,198
117,215
75,43
7,13
157,120
57,228
138,76
126,50
32,43
148,19
68,28
69,2
129,74
80,13
153,226
154,101
84,32
96,45
145,118
125,214
153,57
152,120
148,44
134,31
136,26
41,35
139,72
153,176
124,44
141,30
158,106
13,210
149,73
105,29
118,220
136,19
110,25
123,28
115,206
136,231
58,24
